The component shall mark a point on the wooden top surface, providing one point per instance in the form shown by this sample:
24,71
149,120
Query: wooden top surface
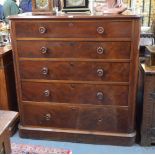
72,16
4,50
148,69
6,118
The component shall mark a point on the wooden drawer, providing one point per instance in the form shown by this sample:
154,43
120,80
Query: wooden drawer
108,119
84,71
48,115
81,118
59,49
75,93
74,29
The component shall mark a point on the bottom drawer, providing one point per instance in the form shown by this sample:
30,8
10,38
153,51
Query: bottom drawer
95,118
109,119
48,115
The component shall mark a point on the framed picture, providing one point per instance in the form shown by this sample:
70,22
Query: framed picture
75,5
42,7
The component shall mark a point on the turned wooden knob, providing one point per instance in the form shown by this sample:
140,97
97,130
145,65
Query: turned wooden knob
100,72
44,70
100,96
99,120
100,50
43,50
100,30
46,93
42,30
47,117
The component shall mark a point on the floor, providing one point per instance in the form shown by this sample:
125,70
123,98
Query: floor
78,148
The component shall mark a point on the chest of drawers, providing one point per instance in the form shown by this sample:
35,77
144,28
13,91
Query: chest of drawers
76,77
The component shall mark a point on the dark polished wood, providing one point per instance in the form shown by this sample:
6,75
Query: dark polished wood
74,29
74,70
75,93
8,99
82,117
6,119
71,49
77,80
77,136
148,116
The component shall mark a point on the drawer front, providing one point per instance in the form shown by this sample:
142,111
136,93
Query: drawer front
48,115
110,119
94,50
84,71
91,118
74,29
75,93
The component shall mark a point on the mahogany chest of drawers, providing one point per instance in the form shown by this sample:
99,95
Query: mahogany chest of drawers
76,76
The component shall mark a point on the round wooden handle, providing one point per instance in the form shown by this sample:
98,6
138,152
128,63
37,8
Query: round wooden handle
100,50
47,93
100,72
100,30
42,30
100,96
47,117
43,50
44,71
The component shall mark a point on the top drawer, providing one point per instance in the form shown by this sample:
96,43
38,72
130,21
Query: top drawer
74,29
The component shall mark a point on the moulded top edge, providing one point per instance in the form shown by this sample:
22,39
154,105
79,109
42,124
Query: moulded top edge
30,16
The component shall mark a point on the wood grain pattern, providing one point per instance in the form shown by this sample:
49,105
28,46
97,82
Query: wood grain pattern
82,118
59,49
134,71
75,93
78,136
8,100
84,71
3,92
70,91
76,29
